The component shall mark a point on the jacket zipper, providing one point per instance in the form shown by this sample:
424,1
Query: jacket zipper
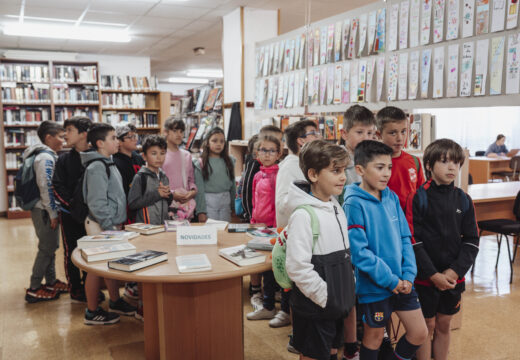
340,229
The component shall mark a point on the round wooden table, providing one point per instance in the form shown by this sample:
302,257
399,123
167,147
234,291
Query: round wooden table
188,316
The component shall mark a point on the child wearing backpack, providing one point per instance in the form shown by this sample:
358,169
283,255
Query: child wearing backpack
319,266
150,192
106,201
127,159
446,243
44,213
382,254
65,179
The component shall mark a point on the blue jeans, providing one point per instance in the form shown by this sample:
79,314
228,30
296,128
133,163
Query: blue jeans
270,288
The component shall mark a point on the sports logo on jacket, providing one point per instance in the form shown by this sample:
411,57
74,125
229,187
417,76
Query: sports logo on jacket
413,174
379,316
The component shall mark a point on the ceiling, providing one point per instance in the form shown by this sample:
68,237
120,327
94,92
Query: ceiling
165,30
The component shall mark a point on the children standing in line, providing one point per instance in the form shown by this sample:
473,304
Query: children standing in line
44,215
150,192
215,179
127,160
66,176
323,294
382,254
446,243
178,166
106,201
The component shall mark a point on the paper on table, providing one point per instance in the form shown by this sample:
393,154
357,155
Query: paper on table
452,31
513,64
330,84
498,14
413,81
391,80
337,41
330,44
323,85
363,23
352,39
482,18
453,65
371,63
362,80
468,11
481,64
380,43
346,83
497,65
466,68
425,72
415,11
392,30
426,17
403,24
512,14
354,78
403,76
438,20
380,76
337,84
344,45
438,72
371,31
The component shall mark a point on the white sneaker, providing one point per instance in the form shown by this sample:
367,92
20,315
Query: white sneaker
261,314
281,319
257,301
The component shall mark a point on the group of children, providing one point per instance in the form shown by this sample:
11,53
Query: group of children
402,243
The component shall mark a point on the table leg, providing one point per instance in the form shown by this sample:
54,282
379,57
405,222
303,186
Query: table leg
151,330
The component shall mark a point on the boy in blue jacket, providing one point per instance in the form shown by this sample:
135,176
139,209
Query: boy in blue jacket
382,254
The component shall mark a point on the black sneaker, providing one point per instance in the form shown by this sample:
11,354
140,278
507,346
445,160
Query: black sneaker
100,317
122,307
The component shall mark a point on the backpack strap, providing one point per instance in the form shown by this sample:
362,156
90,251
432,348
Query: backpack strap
107,166
315,224
417,164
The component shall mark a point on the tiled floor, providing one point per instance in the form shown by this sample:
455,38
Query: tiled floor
55,330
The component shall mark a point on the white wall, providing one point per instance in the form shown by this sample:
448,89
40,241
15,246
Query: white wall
176,89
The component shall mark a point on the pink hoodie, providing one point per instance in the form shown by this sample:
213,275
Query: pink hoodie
264,190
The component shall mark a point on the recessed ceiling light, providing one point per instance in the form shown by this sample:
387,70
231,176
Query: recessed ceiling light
211,73
66,32
187,80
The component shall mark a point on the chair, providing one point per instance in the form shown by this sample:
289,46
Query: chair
510,175
480,153
504,228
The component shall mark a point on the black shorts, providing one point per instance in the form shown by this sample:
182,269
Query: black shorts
315,338
377,314
434,301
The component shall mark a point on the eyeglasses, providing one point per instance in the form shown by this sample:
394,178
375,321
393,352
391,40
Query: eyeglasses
267,151
130,137
314,132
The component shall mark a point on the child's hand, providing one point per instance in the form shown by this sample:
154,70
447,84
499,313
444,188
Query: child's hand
399,287
442,282
164,191
203,218
407,287
450,274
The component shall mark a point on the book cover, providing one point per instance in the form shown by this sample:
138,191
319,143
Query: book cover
100,240
212,97
242,228
241,255
193,263
106,252
171,225
262,232
125,234
263,244
193,132
138,260
145,229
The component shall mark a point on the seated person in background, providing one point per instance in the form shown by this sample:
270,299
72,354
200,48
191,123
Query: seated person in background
498,148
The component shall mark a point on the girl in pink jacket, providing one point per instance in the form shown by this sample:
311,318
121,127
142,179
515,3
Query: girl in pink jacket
264,182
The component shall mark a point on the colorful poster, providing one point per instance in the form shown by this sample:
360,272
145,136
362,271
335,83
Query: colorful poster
363,24
323,85
497,65
371,31
438,20
403,76
379,44
337,42
452,29
498,15
279,99
482,18
337,84
513,64
425,72
362,80
481,66
354,78
317,47
352,39
413,81
453,70
403,24
346,32
466,68
438,72
415,12
426,20
371,63
512,14
380,77
392,30
330,84
330,44
346,83
323,45
290,95
391,79
468,14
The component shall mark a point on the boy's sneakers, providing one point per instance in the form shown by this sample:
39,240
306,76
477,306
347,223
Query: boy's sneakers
41,294
121,307
354,357
281,319
100,317
257,301
131,290
290,346
139,314
58,287
261,314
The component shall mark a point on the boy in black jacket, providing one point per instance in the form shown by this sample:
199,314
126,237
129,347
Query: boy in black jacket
66,175
127,160
445,243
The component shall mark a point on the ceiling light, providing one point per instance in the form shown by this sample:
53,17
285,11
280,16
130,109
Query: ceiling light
37,18
66,32
212,73
187,80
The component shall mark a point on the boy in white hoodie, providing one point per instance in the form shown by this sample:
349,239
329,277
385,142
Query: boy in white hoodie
323,294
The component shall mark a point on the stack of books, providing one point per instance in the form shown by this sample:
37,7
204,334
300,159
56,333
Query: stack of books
145,229
139,260
107,252
242,255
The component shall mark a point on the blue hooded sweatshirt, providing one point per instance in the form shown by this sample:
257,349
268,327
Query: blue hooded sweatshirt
380,242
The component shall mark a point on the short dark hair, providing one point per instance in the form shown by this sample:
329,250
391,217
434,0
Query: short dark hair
389,114
98,131
500,137
367,150
295,131
270,138
81,123
319,154
174,123
252,143
154,140
270,128
440,150
357,114
48,127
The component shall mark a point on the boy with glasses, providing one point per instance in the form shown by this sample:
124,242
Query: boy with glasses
127,159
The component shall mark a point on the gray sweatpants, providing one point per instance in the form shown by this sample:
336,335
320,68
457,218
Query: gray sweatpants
48,242
218,206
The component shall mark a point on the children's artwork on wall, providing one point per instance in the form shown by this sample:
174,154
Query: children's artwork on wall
438,20
482,18
275,58
453,70
498,15
317,87
346,33
426,17
391,80
415,16
362,80
425,72
310,85
497,65
323,45
301,90
352,39
285,89
403,24
338,80
380,42
271,60
290,95
317,46
302,52
330,84
403,76
354,78
468,15
291,55
363,24
337,41
281,55
452,30
310,45
512,14
371,31
513,64
466,68
323,85
380,76
438,72
346,83
275,92
392,30
481,66
260,62
279,100
258,94
330,43
297,53
270,92
371,63
413,81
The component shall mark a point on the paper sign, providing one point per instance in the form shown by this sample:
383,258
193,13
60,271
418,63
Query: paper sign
197,235
466,68
513,64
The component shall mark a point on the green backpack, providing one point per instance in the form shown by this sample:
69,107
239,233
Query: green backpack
280,246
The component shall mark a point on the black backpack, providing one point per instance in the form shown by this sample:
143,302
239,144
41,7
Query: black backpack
78,207
26,191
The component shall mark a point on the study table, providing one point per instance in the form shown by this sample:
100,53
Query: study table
482,167
494,200
193,315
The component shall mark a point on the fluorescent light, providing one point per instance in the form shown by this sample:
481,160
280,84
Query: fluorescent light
212,73
187,80
36,18
66,32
